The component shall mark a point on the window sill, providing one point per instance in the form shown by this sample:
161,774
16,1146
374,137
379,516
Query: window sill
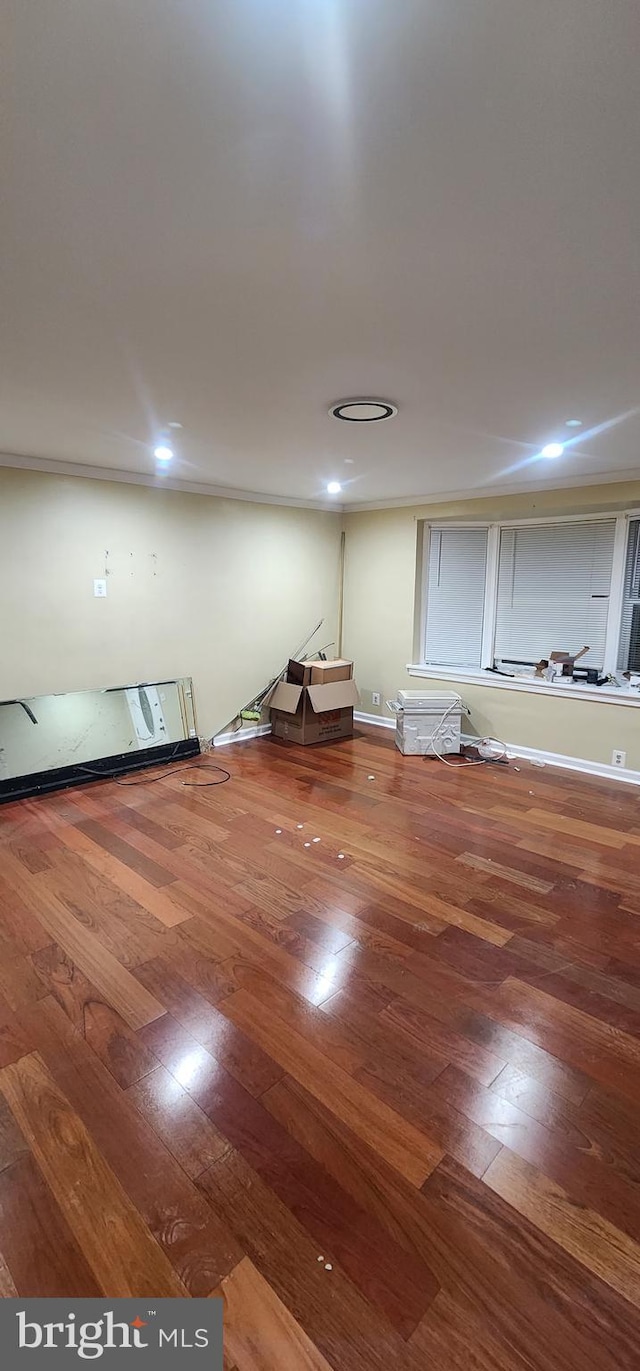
572,690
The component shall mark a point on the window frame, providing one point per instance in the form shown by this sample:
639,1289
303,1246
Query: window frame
494,529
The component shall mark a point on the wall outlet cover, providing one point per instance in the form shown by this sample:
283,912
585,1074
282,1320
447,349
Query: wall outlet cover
375,697
618,757
100,589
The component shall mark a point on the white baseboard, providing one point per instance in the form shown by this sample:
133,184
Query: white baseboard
534,754
241,735
378,720
603,769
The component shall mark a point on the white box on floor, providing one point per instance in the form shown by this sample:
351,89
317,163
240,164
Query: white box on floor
422,715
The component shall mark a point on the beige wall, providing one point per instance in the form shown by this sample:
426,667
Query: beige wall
219,590
380,598
223,590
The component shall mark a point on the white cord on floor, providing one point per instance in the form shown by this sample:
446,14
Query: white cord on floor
465,761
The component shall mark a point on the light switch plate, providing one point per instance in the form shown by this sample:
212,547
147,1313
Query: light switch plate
100,589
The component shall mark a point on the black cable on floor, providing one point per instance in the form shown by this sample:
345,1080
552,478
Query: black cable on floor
148,780
206,766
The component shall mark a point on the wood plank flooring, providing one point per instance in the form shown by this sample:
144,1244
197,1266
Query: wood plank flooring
352,1040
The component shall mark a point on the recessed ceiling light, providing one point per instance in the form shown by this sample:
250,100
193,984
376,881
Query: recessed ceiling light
334,488
573,423
173,423
163,454
363,411
348,461
553,450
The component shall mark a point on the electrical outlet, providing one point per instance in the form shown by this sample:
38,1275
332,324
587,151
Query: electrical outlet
100,589
618,758
375,697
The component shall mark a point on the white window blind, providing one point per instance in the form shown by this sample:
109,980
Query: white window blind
455,596
553,590
629,655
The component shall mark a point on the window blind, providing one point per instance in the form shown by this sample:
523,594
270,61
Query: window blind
629,653
455,596
553,590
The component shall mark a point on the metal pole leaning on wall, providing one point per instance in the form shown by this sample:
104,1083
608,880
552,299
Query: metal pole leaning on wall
340,594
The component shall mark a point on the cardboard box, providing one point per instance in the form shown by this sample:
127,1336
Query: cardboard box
314,713
323,673
318,673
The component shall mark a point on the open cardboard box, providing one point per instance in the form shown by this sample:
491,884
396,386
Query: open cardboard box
313,713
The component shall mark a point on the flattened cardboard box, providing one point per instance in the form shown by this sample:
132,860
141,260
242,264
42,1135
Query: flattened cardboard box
315,713
298,673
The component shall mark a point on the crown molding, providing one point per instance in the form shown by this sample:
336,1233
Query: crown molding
607,478
48,466
20,462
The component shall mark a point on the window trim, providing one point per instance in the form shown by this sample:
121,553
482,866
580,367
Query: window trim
490,596
576,690
490,608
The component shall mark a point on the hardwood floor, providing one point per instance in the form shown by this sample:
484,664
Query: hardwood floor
353,1040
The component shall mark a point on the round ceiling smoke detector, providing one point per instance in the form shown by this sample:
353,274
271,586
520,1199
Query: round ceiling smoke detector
363,411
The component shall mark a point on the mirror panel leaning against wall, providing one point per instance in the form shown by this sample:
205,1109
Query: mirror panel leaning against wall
48,732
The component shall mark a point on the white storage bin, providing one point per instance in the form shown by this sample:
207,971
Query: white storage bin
420,716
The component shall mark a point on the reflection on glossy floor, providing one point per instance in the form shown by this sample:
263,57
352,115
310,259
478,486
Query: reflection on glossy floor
388,1101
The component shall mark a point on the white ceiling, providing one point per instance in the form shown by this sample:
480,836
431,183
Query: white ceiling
234,212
